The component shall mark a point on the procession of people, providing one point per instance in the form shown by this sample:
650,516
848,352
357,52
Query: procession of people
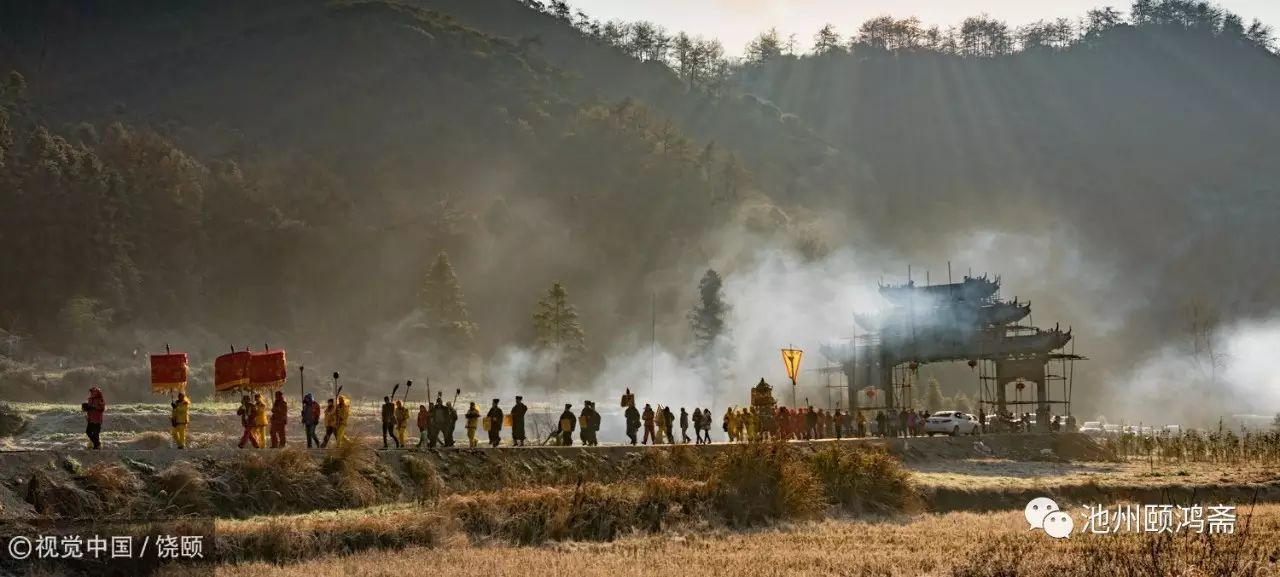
264,425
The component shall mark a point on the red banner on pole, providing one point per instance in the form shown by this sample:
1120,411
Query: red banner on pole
169,372
231,371
267,370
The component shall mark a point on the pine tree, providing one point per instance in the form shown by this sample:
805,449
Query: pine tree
708,316
556,325
444,307
827,41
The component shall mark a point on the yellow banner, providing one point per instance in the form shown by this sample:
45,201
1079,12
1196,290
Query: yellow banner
791,358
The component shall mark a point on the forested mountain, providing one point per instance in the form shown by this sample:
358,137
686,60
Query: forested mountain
1151,142
292,169
230,171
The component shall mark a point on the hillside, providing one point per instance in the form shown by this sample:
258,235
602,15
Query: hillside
365,137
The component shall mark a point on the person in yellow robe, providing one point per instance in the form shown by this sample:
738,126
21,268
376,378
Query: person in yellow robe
662,425
260,420
179,419
343,418
473,421
402,421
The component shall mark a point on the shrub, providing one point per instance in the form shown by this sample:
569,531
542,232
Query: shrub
116,488
424,475
863,479
349,467
275,482
667,497
183,489
755,483
284,540
150,441
585,512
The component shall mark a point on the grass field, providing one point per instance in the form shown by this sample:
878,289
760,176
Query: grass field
955,544
950,506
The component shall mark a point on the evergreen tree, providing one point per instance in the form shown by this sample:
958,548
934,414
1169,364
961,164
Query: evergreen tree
442,299
448,323
555,322
767,46
827,40
708,316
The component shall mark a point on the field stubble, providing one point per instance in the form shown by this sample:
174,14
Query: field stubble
954,544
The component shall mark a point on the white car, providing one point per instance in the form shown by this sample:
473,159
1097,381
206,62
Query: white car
1092,428
951,423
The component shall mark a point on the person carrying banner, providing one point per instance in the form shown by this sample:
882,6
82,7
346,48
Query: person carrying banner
279,418
179,418
245,412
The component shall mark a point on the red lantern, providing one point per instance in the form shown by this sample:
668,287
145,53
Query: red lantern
871,393
231,371
169,372
1021,385
267,370
972,363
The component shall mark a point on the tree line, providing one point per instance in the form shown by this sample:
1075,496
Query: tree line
702,63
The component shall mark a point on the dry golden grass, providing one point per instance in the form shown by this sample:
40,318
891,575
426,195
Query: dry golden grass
1006,474
957,544
289,538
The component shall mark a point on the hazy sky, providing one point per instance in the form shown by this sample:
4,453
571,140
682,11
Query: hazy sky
735,22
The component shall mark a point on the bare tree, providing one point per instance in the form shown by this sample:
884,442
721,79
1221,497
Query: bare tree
1202,332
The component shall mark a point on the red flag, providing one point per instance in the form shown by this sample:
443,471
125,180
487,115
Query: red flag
169,372
231,371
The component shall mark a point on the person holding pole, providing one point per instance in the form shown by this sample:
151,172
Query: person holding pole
245,412
279,419
330,422
343,418
179,419
389,422
260,421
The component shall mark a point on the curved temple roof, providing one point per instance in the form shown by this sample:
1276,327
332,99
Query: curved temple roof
971,289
